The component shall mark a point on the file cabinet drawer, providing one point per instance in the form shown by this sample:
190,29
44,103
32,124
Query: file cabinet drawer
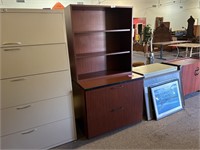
32,26
27,116
19,91
46,136
28,60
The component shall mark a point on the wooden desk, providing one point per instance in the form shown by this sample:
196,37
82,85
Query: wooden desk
187,46
161,44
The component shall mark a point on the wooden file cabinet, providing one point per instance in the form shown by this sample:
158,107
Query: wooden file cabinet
114,107
190,73
111,106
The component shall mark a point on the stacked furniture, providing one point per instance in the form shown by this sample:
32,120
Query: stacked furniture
162,34
36,91
107,95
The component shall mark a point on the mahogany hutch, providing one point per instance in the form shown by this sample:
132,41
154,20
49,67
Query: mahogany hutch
107,95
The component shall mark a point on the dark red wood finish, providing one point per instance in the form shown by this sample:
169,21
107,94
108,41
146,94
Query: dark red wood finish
106,94
99,39
190,73
113,107
107,108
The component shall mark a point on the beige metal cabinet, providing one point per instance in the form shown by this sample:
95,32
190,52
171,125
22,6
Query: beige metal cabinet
36,91
41,136
34,88
30,27
25,60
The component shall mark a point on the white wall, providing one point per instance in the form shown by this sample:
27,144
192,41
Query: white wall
38,3
170,10
141,8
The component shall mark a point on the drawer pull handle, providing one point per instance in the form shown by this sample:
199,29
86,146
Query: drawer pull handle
15,80
12,49
24,107
117,109
12,43
28,132
117,87
196,72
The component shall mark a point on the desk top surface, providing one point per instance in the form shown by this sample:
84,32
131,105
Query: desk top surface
186,45
154,69
169,42
182,61
92,83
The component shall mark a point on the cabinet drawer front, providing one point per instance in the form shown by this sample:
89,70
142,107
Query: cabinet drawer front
27,60
19,91
31,28
16,119
112,107
46,136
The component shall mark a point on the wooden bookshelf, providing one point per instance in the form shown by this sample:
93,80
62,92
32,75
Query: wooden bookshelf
100,49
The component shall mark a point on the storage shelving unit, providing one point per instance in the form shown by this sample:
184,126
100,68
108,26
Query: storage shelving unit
102,37
100,49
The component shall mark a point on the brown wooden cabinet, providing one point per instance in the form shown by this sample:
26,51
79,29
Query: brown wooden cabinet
113,107
190,73
106,94
116,101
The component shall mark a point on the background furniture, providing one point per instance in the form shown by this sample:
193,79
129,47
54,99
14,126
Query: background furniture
190,28
36,92
158,21
187,46
100,51
190,70
161,34
167,43
167,24
197,30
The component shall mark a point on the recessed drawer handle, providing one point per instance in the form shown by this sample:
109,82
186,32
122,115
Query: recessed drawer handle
196,72
28,132
12,43
24,107
117,87
15,80
12,49
117,109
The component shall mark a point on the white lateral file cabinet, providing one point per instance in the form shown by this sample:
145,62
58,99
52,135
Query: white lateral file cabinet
36,92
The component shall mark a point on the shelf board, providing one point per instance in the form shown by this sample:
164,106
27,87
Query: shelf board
106,31
96,54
